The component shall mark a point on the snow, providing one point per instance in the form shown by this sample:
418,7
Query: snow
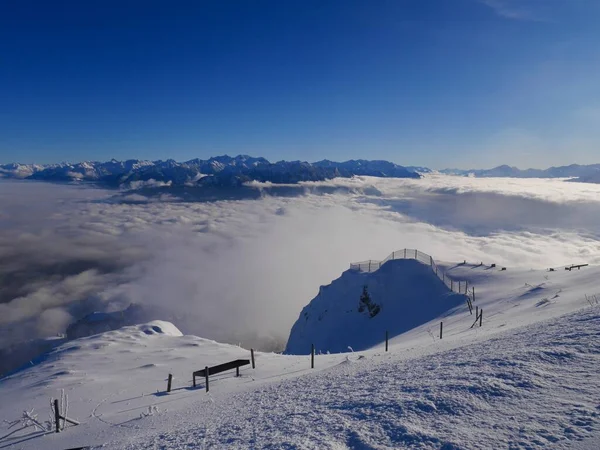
515,391
526,379
407,291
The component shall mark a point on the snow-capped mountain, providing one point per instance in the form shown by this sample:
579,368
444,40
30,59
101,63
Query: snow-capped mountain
593,177
216,171
574,170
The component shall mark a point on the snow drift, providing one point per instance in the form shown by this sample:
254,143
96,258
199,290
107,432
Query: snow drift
403,293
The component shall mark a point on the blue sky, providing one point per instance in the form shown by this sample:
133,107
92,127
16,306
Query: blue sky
441,83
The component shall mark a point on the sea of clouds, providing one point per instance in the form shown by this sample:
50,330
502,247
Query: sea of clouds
240,270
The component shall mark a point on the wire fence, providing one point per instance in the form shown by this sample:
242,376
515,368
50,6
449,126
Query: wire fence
458,286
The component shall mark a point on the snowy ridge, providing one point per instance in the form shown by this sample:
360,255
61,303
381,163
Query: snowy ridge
403,294
218,171
458,286
517,390
526,379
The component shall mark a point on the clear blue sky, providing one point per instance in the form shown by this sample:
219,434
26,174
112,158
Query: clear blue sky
442,83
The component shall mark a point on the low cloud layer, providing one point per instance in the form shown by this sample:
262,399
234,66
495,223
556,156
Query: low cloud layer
241,270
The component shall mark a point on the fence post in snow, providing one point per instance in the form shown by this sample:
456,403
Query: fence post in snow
252,357
473,293
476,311
441,329
386,341
206,377
56,415
169,382
312,356
369,265
480,316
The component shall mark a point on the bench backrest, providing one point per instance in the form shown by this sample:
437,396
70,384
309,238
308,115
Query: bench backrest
222,367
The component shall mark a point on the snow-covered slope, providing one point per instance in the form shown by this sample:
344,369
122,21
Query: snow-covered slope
526,379
535,388
407,293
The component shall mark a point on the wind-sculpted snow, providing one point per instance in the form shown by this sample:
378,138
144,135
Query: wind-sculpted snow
535,388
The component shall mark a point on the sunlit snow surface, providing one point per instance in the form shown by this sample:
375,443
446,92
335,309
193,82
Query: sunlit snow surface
526,379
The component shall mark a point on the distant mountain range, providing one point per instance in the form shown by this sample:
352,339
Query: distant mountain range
228,171
216,171
586,173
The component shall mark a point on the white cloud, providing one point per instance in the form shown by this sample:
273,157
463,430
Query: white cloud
239,269
516,9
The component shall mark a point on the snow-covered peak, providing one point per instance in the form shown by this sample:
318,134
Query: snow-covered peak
226,170
401,295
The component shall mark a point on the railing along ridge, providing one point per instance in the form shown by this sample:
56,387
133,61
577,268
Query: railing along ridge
458,286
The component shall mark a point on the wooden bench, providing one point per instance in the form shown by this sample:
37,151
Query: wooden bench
578,266
221,368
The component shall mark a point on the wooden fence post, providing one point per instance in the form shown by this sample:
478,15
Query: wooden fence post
312,356
441,329
473,293
206,377
476,311
386,341
169,382
480,316
57,415
252,357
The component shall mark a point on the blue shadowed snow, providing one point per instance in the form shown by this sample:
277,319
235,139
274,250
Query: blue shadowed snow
407,291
